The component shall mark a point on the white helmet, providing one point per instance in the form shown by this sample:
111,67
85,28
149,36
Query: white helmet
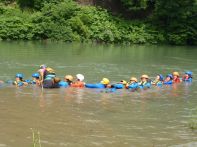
80,77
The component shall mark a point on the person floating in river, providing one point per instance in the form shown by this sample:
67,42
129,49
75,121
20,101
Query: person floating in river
103,84
187,77
168,80
79,82
176,77
68,79
158,80
47,76
19,80
35,79
132,84
145,82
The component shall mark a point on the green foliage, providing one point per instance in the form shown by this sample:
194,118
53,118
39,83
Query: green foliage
65,20
178,20
135,4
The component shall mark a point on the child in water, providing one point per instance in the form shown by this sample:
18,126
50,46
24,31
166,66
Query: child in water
133,84
176,78
187,77
158,80
79,82
19,80
168,80
145,82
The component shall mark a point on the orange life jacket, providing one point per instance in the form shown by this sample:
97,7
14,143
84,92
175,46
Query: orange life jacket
78,84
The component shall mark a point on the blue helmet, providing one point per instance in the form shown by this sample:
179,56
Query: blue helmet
189,73
161,78
19,75
35,75
170,75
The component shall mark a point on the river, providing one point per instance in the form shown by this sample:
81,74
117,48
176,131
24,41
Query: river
75,117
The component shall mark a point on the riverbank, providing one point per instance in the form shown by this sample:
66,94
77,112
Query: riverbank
69,22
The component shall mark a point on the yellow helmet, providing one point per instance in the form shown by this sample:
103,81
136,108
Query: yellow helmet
69,77
105,81
133,79
123,82
175,73
145,76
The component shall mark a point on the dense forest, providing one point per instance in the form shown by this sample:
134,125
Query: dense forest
117,21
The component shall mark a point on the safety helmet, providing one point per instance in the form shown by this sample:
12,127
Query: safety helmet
170,76
175,73
161,78
43,66
105,81
36,75
69,77
133,79
19,75
80,77
145,76
123,82
189,73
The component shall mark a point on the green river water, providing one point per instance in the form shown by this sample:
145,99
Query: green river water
74,117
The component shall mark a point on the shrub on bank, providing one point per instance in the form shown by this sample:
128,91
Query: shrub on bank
68,21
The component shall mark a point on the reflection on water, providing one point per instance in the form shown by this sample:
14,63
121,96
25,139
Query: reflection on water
91,117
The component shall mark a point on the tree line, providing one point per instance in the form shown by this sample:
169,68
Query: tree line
169,22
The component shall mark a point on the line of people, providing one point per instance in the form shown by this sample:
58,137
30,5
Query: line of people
46,78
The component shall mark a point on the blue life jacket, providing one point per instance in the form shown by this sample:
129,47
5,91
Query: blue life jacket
188,80
133,86
168,83
145,85
63,84
97,85
28,81
118,86
160,83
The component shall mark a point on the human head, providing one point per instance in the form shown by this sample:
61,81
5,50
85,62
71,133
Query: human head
36,76
43,66
175,74
144,78
80,77
19,76
123,82
105,81
188,73
159,77
169,77
68,78
133,79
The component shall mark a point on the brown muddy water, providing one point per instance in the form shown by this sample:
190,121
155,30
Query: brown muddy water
74,117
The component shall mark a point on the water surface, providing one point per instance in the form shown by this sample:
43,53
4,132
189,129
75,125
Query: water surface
85,117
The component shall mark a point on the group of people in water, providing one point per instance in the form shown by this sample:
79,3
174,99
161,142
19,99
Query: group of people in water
46,78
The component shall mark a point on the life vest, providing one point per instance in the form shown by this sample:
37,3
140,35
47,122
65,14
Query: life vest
187,79
18,83
134,85
168,82
157,83
49,73
97,85
117,86
143,85
177,80
78,84
63,84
